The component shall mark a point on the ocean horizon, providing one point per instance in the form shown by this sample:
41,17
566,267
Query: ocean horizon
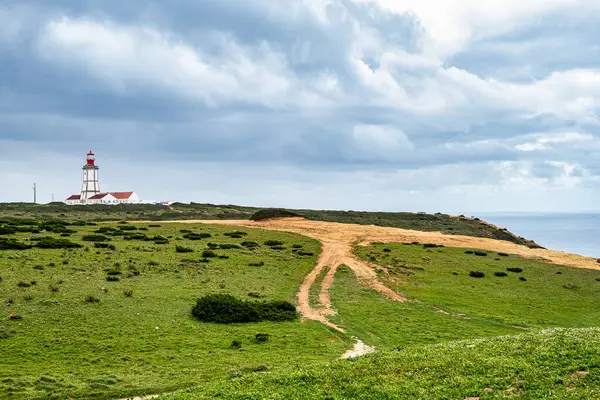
577,233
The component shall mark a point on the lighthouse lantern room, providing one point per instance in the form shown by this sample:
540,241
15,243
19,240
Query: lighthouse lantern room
90,186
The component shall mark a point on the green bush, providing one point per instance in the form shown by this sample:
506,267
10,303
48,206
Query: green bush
6,230
235,234
128,228
299,246
503,254
515,269
277,247
522,279
271,213
209,254
53,243
181,249
197,236
500,274
227,246
257,264
480,253
273,243
430,246
261,337
92,299
249,244
12,244
469,252
476,274
95,238
23,284
305,253
226,309
112,278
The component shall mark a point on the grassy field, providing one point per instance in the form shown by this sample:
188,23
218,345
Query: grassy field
83,336
195,211
551,364
541,295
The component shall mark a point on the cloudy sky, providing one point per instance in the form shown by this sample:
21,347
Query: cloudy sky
420,105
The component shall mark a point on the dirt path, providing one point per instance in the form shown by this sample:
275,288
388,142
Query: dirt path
337,240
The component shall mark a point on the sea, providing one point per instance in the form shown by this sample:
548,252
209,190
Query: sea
577,233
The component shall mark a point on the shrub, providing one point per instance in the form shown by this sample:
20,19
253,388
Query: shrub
273,243
23,284
571,286
160,240
387,250
209,254
12,244
224,257
261,337
212,246
503,254
500,274
143,229
522,279
112,278
271,213
515,269
128,292
257,295
154,226
227,246
430,246
105,246
5,230
197,236
95,238
249,244
257,264
39,267
305,253
113,271
128,228
469,252
236,344
92,299
235,234
476,274
181,249
480,253
224,309
277,247
185,231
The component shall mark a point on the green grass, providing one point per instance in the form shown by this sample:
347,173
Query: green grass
545,299
148,342
547,364
386,324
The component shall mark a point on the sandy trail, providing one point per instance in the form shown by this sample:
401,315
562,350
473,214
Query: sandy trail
337,240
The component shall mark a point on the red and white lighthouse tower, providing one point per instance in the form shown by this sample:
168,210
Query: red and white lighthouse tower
90,186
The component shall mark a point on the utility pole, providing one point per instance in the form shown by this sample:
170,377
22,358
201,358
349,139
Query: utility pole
34,193
53,197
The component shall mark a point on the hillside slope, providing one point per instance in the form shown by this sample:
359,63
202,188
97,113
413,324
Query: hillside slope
417,221
555,363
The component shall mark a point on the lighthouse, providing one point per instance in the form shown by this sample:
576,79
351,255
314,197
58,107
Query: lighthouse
90,186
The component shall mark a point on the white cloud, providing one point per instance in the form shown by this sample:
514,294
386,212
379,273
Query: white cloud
452,25
545,141
136,58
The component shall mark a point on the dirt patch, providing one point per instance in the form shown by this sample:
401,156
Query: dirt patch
359,349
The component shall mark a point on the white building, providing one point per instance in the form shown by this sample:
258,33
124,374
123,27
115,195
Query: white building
90,189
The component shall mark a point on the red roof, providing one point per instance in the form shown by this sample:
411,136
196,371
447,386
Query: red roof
121,195
90,153
98,196
75,197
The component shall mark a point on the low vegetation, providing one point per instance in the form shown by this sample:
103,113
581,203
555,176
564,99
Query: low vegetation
226,309
102,322
554,363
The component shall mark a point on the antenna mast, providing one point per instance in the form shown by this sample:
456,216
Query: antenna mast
34,193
